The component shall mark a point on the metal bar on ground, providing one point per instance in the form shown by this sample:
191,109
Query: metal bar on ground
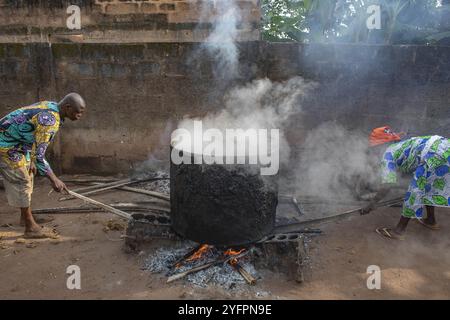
75,210
147,192
340,215
95,180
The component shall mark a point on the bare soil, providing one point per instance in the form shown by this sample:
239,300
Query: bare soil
416,268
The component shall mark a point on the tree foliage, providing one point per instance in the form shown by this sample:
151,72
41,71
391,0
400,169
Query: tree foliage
403,21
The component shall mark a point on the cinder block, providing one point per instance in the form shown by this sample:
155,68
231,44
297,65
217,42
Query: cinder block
149,8
81,69
167,7
122,8
110,70
148,69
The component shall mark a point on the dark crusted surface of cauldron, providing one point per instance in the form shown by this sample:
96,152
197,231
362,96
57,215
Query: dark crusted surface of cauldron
222,205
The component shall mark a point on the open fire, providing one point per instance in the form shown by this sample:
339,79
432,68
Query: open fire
206,256
215,244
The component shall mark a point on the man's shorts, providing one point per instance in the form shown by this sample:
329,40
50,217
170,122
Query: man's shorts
18,184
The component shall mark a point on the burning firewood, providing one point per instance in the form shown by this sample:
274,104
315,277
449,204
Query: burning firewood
207,265
244,273
188,255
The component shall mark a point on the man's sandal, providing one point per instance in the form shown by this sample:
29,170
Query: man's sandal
41,234
434,227
389,234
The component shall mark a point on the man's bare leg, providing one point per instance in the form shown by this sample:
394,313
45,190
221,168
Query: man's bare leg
27,218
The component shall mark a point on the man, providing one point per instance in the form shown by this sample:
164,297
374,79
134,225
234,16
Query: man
428,160
24,137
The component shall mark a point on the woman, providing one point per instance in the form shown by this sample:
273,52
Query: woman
428,160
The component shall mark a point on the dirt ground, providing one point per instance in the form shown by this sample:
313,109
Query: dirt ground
417,268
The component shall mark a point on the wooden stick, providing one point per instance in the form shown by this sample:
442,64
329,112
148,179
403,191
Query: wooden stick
244,273
147,192
115,211
109,187
95,188
187,255
204,266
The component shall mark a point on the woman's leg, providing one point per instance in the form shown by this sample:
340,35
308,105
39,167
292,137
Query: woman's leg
401,225
430,219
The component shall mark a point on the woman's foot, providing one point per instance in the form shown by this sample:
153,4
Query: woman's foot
433,225
390,233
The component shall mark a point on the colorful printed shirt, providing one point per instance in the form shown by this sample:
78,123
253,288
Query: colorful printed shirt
26,133
406,156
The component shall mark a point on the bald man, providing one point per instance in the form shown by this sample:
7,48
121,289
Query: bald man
24,137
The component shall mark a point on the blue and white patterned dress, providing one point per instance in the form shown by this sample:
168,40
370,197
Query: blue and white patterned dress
428,159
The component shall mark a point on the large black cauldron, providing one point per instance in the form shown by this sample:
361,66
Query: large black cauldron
222,205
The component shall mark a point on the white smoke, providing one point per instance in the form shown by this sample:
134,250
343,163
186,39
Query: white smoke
336,163
221,43
261,104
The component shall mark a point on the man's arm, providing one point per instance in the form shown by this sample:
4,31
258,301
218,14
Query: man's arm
46,127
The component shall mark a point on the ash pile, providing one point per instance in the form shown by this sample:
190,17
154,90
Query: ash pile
236,269
172,262
158,181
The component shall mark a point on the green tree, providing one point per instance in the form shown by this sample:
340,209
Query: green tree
403,21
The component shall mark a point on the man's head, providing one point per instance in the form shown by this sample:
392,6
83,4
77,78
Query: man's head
72,106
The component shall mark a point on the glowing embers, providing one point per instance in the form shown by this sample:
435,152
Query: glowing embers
206,256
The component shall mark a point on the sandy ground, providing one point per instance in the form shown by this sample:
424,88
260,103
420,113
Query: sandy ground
417,268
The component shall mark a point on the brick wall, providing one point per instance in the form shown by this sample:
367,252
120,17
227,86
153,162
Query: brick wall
122,20
135,91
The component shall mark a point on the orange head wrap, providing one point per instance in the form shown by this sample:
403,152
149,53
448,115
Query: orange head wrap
383,135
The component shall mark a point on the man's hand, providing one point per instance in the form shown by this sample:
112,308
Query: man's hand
33,169
57,184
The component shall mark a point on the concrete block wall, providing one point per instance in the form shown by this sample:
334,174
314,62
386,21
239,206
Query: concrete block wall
137,92
122,21
134,93
365,86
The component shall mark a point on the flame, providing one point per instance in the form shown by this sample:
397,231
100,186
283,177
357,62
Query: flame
199,253
231,252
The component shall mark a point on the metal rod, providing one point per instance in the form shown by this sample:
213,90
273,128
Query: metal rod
147,192
340,215
63,210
